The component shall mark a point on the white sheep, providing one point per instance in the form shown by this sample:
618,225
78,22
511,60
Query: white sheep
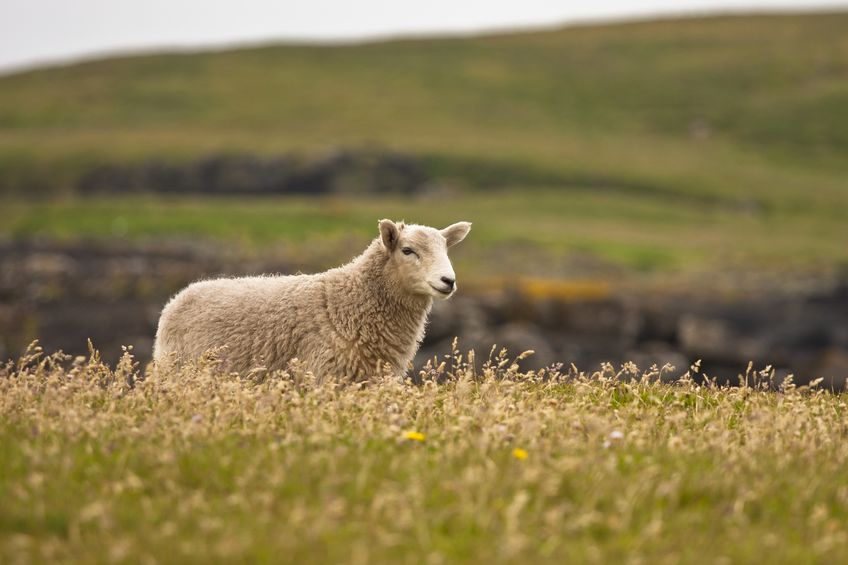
347,322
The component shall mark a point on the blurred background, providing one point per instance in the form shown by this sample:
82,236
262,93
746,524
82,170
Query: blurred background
655,182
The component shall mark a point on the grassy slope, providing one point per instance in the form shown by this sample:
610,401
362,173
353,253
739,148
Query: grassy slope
609,106
512,233
775,83
203,466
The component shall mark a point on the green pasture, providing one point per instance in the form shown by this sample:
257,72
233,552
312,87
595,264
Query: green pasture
680,144
539,232
496,465
689,100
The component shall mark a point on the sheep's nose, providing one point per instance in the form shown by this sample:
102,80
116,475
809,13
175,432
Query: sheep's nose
448,281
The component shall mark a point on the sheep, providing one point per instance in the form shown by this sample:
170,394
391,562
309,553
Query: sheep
347,322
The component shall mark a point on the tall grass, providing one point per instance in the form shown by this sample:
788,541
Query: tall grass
489,464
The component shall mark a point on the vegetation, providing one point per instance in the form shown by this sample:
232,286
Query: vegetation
675,145
543,233
654,145
601,99
493,464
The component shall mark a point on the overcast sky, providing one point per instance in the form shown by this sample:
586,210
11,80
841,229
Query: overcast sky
39,31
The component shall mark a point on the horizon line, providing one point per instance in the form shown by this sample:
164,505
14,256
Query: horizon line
201,47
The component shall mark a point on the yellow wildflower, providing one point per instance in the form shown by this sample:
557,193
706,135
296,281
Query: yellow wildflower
519,453
414,436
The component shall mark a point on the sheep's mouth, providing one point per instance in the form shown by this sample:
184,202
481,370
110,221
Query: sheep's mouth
447,292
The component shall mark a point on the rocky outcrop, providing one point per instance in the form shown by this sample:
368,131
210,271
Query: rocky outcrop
113,293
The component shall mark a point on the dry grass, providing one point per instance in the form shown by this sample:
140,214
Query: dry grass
495,464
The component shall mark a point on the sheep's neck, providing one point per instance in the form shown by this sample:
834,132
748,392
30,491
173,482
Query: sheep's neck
386,293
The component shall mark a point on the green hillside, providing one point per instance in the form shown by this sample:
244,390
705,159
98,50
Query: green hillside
733,131
615,98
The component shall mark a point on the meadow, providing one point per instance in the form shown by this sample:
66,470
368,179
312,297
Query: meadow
701,143
541,232
688,101
689,147
493,464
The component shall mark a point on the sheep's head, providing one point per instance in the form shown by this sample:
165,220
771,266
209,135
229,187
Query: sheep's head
419,256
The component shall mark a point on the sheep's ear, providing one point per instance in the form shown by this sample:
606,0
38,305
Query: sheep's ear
389,233
455,233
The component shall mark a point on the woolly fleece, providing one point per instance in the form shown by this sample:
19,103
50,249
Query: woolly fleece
348,322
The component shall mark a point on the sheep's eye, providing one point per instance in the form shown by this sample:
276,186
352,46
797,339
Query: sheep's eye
407,251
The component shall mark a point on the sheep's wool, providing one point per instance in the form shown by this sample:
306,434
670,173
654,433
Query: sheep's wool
348,322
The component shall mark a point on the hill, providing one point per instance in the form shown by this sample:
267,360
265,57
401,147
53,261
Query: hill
681,103
707,141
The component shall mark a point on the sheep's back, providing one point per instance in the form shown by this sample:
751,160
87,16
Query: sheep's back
260,320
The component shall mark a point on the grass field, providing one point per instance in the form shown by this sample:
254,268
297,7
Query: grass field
655,102
102,465
680,146
707,142
537,232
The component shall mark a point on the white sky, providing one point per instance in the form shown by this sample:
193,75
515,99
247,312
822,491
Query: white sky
38,31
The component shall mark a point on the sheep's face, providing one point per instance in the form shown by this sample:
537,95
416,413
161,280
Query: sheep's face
419,255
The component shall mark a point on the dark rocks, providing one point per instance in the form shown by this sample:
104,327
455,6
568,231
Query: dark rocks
796,333
113,293
336,172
